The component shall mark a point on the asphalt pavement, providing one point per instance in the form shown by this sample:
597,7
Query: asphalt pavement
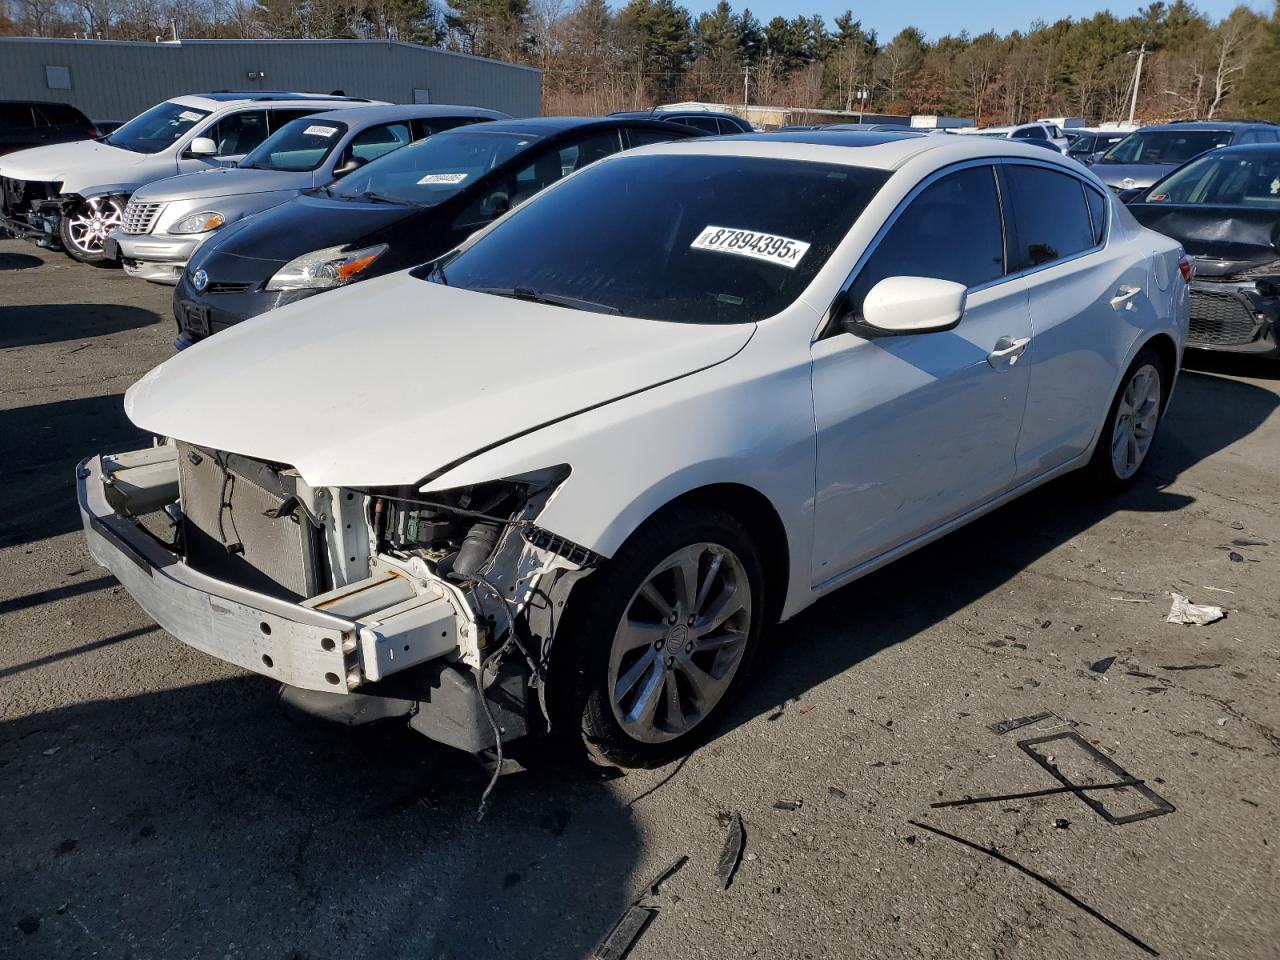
155,803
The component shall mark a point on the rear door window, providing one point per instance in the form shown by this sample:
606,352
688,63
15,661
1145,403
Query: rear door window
1051,216
643,136
950,231
61,115
705,124
16,115
1097,213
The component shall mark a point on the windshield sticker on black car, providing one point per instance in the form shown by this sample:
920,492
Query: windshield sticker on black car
319,130
749,243
443,178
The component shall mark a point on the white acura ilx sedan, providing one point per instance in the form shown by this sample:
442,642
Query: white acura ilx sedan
565,475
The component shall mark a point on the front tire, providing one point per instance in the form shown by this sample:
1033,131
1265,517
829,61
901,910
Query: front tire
1132,422
83,230
662,637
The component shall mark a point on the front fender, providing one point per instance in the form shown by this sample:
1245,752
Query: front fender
747,422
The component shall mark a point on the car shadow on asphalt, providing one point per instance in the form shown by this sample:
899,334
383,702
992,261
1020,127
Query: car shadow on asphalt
40,446
1231,364
18,261
204,821
893,604
32,324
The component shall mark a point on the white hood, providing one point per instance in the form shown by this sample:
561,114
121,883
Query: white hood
71,164
395,378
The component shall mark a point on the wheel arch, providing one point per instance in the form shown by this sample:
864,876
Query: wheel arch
764,525
1167,350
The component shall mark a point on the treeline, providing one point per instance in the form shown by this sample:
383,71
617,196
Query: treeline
597,59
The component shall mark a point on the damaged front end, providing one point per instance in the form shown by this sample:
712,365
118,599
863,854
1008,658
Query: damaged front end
366,604
32,209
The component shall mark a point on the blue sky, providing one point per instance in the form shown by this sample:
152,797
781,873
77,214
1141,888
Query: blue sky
939,17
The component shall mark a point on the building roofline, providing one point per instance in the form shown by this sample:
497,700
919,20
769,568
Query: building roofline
175,44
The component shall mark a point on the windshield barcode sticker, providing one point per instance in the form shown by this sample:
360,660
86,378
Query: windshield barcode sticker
749,243
319,130
443,178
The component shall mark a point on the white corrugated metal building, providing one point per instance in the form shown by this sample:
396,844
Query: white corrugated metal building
117,79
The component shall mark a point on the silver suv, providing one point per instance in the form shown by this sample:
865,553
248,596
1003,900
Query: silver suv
168,220
72,195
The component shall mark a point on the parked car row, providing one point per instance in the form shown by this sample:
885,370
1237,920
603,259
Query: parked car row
643,394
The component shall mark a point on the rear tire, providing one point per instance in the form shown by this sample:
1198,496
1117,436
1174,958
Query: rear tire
1132,422
660,638
84,229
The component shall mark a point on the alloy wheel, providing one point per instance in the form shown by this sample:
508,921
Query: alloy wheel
1137,416
680,642
92,221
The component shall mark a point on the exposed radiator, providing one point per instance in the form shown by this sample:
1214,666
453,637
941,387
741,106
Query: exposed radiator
228,534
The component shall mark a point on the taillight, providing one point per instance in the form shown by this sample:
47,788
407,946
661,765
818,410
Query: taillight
1186,267
93,133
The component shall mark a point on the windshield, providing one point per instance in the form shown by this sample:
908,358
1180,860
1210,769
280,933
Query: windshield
1236,179
298,146
158,128
693,239
1165,146
432,170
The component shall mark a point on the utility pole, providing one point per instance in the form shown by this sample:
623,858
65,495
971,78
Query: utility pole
746,85
1137,79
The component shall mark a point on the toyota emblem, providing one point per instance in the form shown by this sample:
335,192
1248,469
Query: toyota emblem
199,280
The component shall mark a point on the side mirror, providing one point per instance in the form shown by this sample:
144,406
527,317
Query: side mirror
350,166
901,305
202,147
496,204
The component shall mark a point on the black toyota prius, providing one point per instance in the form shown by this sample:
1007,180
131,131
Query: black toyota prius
399,210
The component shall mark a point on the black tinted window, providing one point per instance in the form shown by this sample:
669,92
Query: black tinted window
705,124
1029,133
643,136
62,115
693,239
1097,213
15,115
950,231
1050,213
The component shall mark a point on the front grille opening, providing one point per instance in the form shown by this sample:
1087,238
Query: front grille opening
229,530
1221,319
140,218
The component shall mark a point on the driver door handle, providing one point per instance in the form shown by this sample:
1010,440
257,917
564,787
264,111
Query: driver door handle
1123,295
1007,351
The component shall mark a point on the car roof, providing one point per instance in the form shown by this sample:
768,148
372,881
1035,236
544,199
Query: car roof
553,126
659,114
1206,125
222,98
394,111
1245,148
882,151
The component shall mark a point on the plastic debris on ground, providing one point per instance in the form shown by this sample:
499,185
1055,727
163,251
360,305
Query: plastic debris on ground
1103,665
731,853
1199,614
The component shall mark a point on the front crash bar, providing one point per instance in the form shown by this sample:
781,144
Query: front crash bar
332,643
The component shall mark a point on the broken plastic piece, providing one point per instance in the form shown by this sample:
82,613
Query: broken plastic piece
788,804
656,883
731,853
1004,726
1048,791
1200,614
1062,823
619,941
1048,883
1103,665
